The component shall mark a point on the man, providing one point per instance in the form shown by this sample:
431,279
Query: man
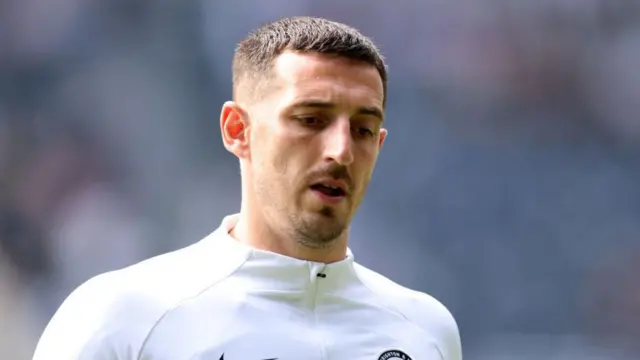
276,281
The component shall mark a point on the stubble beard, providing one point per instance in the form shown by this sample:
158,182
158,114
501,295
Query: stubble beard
317,233
313,229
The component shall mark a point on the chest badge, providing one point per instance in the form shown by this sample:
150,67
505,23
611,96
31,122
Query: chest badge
394,355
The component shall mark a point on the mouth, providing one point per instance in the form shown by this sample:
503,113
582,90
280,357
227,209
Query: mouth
330,189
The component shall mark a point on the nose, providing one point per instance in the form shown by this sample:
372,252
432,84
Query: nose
339,143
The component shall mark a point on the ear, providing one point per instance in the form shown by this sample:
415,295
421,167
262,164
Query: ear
383,136
234,126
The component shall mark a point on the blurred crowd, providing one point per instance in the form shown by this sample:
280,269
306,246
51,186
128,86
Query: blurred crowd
508,187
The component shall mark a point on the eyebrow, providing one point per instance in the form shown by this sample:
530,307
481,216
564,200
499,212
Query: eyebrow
319,104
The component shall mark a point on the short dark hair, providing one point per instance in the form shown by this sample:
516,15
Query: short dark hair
255,55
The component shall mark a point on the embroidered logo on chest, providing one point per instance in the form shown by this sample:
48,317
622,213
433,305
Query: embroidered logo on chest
394,355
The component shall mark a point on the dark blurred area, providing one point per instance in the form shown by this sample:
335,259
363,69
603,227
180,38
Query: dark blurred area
508,188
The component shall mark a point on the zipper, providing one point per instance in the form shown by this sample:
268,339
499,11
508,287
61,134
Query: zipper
317,275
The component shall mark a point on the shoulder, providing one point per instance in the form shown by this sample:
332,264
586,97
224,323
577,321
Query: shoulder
101,319
111,315
419,308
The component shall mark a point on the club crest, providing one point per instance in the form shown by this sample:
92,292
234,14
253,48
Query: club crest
394,355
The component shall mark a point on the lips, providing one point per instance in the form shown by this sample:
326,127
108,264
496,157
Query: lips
331,188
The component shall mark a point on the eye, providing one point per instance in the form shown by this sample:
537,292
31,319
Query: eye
364,132
310,120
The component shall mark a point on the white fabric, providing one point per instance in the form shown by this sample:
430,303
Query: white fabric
219,299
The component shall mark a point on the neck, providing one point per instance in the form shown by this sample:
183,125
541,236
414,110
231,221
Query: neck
253,230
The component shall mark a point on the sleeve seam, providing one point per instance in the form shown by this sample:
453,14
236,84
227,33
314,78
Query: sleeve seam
179,303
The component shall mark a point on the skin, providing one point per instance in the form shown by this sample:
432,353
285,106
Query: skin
318,118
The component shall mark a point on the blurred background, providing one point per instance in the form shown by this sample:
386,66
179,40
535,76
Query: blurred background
508,188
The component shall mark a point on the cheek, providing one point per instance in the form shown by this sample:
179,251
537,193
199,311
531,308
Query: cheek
280,162
366,163
288,154
279,168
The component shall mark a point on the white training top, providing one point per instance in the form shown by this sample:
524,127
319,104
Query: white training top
219,299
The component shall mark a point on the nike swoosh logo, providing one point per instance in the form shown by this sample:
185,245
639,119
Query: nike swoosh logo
222,358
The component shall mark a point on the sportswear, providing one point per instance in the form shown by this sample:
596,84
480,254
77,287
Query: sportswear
221,299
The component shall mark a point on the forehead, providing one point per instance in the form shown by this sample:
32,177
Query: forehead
338,80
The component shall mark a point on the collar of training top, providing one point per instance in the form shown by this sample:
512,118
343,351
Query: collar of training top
277,271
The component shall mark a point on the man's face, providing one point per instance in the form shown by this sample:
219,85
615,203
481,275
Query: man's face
314,141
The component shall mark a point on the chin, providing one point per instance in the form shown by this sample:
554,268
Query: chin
322,226
328,211
335,214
